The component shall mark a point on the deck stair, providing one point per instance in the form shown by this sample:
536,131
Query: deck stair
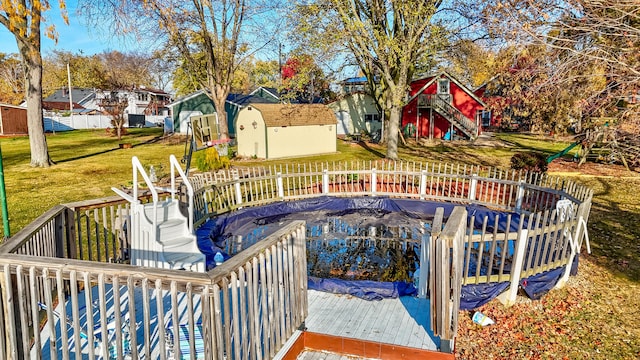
450,113
161,236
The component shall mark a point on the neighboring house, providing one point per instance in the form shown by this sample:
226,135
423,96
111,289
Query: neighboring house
356,113
268,93
198,103
13,120
441,107
271,131
145,104
354,85
489,119
59,101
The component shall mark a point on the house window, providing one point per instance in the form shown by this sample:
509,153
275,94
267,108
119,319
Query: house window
443,86
143,97
371,117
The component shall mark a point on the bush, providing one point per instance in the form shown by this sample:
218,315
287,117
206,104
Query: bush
209,160
530,161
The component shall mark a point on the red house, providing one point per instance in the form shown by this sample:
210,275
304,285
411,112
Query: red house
489,119
440,107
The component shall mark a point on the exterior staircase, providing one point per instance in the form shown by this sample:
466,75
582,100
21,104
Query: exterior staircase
450,113
161,236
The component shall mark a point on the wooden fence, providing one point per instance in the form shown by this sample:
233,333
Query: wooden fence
505,190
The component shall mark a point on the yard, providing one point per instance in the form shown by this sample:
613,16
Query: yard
596,316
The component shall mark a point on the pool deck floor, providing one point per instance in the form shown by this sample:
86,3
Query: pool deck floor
403,321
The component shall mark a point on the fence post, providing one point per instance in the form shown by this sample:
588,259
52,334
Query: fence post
423,184
279,184
473,186
325,181
520,196
518,263
423,275
238,191
374,181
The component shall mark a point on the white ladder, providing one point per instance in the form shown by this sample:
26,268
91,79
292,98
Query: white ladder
161,236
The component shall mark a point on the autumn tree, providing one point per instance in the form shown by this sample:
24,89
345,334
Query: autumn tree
23,19
303,79
387,39
11,79
583,39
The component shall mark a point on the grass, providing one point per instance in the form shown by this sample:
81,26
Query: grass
597,315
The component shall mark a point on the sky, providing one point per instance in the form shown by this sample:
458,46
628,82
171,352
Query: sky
75,37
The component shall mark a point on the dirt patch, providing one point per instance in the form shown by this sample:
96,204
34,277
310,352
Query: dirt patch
566,167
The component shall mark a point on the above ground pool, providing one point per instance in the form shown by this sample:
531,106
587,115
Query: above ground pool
365,246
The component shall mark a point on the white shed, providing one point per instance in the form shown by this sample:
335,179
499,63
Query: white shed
271,131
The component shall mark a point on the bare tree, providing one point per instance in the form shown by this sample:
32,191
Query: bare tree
23,19
208,35
114,105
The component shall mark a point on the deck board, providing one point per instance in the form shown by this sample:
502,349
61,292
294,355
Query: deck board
402,321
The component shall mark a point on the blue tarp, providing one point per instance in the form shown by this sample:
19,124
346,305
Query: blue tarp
474,296
256,223
364,289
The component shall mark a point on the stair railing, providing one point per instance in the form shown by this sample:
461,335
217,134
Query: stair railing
465,124
138,168
175,166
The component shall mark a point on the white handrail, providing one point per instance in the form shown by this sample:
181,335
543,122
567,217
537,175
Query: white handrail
137,167
175,165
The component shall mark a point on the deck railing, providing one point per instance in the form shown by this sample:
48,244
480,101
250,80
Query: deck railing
529,236
60,298
506,190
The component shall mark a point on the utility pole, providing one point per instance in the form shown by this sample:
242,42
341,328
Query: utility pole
70,98
280,61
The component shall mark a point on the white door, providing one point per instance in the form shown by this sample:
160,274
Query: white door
344,122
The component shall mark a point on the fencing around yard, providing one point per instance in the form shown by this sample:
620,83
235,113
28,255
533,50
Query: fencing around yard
252,303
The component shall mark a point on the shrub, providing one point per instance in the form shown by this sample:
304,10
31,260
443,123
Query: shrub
209,160
529,161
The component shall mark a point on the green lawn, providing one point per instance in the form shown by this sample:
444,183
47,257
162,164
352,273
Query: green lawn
596,316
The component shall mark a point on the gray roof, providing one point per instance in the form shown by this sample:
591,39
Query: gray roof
78,94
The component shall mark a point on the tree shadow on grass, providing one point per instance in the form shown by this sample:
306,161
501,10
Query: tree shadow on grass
85,156
613,231
375,152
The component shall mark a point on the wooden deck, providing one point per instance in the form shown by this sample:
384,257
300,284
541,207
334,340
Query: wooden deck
403,321
137,330
324,355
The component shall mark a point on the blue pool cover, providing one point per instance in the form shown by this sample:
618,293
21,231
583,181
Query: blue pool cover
256,223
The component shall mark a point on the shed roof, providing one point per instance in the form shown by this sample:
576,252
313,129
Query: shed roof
295,114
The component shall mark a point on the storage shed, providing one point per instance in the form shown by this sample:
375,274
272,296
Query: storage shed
271,131
13,120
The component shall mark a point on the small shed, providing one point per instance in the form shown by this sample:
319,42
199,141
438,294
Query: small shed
272,131
13,120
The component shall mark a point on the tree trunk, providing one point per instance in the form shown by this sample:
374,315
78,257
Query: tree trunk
392,132
219,101
33,92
